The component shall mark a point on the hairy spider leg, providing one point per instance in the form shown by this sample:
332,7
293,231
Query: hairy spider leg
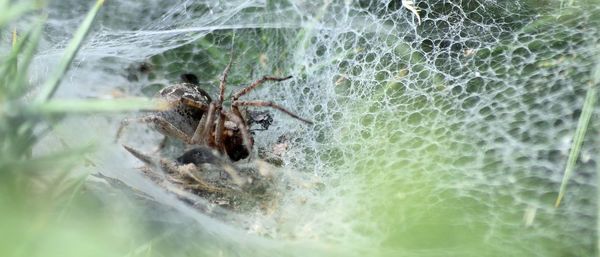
193,103
219,108
255,84
245,91
202,134
243,128
124,123
272,105
160,122
251,87
164,125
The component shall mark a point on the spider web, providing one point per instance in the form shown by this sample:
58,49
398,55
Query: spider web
454,131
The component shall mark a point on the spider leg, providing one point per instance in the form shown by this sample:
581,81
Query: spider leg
272,105
163,144
243,128
202,130
255,84
124,123
238,112
149,119
147,159
168,128
219,131
219,107
202,134
236,116
241,122
223,81
246,90
193,103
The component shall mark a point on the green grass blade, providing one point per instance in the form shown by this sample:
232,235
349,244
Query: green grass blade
96,105
28,54
44,163
49,88
584,119
24,50
14,37
8,69
13,64
78,185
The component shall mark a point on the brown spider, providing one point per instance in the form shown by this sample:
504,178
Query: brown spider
198,120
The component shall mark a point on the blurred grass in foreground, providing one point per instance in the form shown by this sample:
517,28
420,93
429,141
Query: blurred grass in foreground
43,212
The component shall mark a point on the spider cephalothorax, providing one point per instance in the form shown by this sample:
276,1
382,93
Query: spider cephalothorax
197,119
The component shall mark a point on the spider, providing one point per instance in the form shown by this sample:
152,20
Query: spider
197,119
